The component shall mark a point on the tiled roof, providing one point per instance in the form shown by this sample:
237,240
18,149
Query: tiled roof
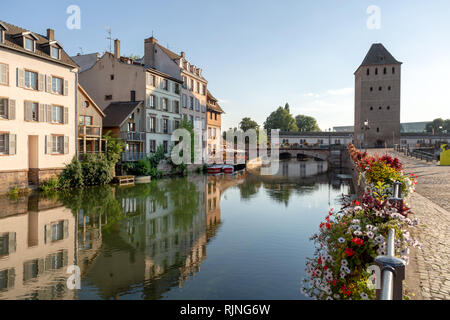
378,55
172,55
12,42
117,112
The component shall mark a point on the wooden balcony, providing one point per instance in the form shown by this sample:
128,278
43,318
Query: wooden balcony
89,131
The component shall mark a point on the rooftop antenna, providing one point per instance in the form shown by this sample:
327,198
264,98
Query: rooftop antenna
108,31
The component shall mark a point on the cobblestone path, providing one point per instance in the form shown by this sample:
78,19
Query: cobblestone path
428,275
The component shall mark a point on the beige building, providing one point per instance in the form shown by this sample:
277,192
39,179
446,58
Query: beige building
113,78
90,124
214,129
37,107
377,99
194,91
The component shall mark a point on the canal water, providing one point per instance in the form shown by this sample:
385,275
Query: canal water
201,237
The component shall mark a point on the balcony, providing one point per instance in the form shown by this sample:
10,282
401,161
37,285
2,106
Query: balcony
128,156
89,131
132,136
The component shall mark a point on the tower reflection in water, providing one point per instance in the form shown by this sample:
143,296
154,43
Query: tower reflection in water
139,241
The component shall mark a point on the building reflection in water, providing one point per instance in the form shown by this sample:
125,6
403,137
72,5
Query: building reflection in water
36,246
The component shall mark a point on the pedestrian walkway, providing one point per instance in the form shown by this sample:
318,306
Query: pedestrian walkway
428,275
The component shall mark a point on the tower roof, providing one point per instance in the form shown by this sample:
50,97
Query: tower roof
378,55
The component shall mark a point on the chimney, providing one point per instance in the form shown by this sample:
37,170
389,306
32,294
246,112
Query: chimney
50,34
183,55
117,49
150,49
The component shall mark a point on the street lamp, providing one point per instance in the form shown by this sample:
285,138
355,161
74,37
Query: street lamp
365,129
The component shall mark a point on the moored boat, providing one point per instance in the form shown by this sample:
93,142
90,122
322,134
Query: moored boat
215,169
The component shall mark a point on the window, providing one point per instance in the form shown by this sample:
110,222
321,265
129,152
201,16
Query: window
85,120
176,106
58,144
389,108
184,82
165,104
209,133
389,88
177,88
166,146
108,97
215,116
368,71
31,80
4,143
166,125
376,71
86,104
55,52
198,87
371,108
380,108
131,127
152,146
133,95
380,88
152,124
197,105
4,74
57,85
29,44
177,124
184,101
2,36
151,101
371,89
191,106
166,84
393,70
57,231
192,85
384,70
204,90
3,108
378,129
57,114
151,80
191,119
34,111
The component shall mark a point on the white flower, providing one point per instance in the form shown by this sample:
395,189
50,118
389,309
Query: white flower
356,221
370,234
336,296
380,239
364,296
343,275
329,298
341,240
344,262
358,233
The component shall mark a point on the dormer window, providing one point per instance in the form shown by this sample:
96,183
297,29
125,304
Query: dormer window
2,36
29,44
55,52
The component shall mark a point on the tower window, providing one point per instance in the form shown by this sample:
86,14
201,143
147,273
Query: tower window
378,129
371,108
393,70
389,108
380,108
371,88
376,70
385,71
389,88
368,71
380,88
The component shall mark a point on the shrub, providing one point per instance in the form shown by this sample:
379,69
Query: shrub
142,167
72,176
96,170
50,185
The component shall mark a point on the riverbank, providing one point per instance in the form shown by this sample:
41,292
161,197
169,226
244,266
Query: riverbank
428,275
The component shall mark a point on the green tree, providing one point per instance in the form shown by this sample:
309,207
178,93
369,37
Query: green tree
247,124
306,124
438,125
114,148
281,119
186,124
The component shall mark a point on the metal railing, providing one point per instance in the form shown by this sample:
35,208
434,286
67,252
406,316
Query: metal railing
392,268
418,154
132,136
87,130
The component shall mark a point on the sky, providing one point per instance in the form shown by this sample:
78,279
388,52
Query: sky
258,55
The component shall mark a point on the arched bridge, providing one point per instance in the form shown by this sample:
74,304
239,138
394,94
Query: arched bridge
322,154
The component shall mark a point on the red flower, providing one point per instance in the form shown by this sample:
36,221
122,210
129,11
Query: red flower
335,282
325,268
349,252
358,241
328,226
319,261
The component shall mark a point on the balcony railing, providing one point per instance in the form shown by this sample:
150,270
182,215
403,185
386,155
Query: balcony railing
132,136
89,131
128,156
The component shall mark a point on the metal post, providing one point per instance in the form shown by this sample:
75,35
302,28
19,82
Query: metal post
392,272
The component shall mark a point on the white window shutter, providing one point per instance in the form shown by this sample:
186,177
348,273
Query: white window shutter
66,229
27,111
49,113
11,109
41,114
49,84
41,82
66,145
20,78
12,144
48,144
66,115
4,74
12,242
66,87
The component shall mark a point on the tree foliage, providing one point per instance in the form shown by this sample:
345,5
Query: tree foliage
247,124
306,124
438,126
281,119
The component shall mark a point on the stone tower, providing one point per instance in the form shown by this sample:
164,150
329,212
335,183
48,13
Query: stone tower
377,99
